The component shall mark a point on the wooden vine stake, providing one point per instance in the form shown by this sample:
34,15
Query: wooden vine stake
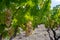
8,17
29,28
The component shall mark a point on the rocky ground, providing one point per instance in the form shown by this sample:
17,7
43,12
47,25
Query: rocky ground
39,33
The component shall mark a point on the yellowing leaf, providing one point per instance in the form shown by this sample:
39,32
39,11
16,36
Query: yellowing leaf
14,20
30,3
28,16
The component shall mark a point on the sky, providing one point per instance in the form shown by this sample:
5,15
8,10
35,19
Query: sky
54,3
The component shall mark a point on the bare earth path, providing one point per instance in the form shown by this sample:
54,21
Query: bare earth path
39,33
